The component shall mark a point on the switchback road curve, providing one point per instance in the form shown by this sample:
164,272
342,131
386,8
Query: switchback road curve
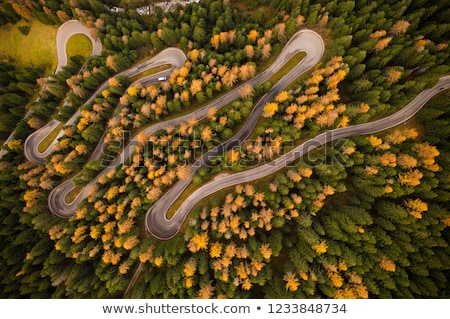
173,56
167,229
303,41
57,197
65,31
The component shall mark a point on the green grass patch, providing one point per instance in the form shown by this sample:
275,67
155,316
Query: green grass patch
36,49
187,192
45,143
151,71
78,44
73,194
287,67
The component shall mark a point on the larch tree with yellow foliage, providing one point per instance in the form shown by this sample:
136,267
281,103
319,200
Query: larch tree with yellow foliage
215,41
232,156
387,264
270,109
320,248
253,35
282,96
292,282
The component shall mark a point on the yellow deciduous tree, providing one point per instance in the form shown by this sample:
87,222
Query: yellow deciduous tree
31,195
130,242
266,51
270,109
123,268
387,264
399,27
223,37
81,149
133,91
159,261
396,137
378,34
393,75
382,44
241,271
231,77
35,122
215,41
292,282
147,255
194,54
249,51
282,96
320,248
416,207
15,145
336,279
388,159
206,134
79,234
114,82
253,35
406,161
364,108
216,250
427,153
246,91
232,156
190,267
375,141
265,250
111,63
305,171
206,291
198,242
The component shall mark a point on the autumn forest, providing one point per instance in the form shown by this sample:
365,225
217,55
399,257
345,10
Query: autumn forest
361,217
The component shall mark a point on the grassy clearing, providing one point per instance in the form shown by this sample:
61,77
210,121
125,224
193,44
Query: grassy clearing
78,44
37,48
45,143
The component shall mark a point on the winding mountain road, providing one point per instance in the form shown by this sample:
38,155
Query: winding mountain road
306,41
156,220
303,41
173,56
168,228
57,197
